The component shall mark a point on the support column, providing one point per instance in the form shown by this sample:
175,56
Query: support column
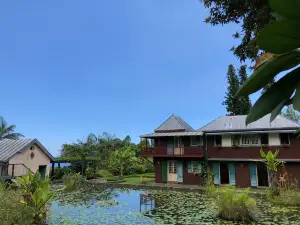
52,170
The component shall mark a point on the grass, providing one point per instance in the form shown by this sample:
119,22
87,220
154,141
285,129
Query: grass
133,179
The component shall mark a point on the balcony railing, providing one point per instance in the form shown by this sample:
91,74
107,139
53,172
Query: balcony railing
173,151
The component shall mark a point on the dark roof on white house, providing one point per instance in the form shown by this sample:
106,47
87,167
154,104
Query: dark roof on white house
9,148
174,123
237,123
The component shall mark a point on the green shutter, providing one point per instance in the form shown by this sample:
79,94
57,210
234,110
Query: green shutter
164,170
189,166
179,171
199,167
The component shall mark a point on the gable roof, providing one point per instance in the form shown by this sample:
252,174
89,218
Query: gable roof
237,123
9,148
174,123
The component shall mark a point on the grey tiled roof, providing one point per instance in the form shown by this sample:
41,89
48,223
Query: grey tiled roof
174,123
9,147
232,123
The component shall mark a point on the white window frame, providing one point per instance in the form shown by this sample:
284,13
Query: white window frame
194,166
251,140
200,139
172,166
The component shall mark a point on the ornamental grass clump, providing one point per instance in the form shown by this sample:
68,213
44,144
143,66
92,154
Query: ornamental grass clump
71,181
235,205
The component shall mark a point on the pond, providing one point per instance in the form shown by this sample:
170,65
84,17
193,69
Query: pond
98,205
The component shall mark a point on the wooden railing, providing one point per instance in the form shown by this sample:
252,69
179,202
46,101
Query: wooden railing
173,151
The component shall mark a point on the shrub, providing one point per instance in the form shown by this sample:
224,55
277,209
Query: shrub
234,205
71,181
11,210
60,172
104,173
36,194
89,173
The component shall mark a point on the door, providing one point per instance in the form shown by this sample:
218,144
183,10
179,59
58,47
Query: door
177,146
42,170
231,167
262,175
253,176
172,170
179,171
216,166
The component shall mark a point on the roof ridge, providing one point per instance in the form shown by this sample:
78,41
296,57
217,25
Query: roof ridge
210,122
178,119
164,122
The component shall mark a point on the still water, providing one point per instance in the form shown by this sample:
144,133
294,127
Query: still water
99,205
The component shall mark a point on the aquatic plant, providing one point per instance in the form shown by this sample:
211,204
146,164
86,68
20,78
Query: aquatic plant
71,181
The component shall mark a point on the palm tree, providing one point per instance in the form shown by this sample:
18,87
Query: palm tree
7,132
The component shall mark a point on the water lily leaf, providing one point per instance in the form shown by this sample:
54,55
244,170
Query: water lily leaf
280,36
289,9
268,70
275,95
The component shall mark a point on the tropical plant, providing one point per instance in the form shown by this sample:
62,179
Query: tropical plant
36,193
122,159
104,173
89,173
291,114
71,181
272,164
11,210
7,132
280,40
235,205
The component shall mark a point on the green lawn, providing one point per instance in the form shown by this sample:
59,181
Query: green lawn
133,179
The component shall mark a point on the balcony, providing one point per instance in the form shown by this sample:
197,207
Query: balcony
173,152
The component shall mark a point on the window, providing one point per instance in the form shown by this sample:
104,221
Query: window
264,139
251,139
177,142
195,167
235,140
284,139
172,166
218,140
196,141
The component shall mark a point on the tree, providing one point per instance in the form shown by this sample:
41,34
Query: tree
281,40
231,99
127,140
7,132
251,14
245,102
291,114
122,159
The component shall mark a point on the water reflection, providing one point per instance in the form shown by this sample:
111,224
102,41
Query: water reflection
98,205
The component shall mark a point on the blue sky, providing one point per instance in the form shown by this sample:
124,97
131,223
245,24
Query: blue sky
73,67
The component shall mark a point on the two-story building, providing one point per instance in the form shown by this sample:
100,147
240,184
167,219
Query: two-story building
233,150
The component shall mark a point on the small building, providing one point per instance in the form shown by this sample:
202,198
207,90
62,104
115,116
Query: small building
19,156
232,150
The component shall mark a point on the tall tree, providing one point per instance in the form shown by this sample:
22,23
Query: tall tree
7,132
231,99
245,102
291,114
251,14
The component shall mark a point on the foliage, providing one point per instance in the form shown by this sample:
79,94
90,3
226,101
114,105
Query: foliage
89,173
104,173
122,159
291,114
59,172
7,132
71,181
281,40
11,210
36,193
236,105
251,14
235,205
272,164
